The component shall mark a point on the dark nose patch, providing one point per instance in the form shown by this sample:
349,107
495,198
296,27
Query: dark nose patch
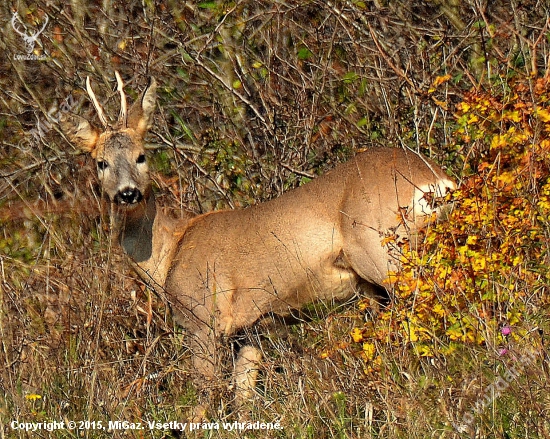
128,195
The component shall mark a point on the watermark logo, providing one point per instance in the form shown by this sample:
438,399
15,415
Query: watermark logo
30,40
54,116
45,124
494,390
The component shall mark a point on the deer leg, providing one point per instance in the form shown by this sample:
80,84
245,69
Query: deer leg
245,374
203,350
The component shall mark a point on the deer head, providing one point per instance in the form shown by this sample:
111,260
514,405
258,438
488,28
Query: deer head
118,148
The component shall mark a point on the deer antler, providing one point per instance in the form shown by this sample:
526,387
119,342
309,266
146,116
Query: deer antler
98,108
123,116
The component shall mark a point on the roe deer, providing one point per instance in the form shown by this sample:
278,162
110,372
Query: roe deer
222,271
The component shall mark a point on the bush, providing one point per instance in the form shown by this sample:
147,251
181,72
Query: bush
476,274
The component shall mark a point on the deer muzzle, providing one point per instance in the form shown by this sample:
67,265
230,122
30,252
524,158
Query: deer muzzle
128,195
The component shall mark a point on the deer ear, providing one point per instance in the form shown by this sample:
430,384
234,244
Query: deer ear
80,132
140,115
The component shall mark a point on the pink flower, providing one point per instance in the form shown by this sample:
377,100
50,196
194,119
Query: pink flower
502,351
506,330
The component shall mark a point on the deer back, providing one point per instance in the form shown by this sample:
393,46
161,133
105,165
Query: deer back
316,242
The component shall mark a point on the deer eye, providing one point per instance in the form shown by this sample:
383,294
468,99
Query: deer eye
102,165
140,159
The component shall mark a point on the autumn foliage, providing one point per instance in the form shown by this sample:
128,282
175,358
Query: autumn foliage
474,277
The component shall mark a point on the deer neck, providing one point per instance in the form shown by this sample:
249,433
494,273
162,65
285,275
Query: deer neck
150,238
136,229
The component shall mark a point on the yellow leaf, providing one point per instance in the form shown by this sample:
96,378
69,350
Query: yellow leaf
471,240
368,351
410,330
514,116
543,114
438,309
441,104
424,351
388,240
455,332
440,80
356,335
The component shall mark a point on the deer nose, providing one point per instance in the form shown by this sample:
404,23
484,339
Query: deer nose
128,195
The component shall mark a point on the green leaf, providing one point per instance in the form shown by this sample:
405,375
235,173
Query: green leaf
184,126
350,77
362,122
207,5
304,53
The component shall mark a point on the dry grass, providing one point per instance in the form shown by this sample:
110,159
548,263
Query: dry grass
255,97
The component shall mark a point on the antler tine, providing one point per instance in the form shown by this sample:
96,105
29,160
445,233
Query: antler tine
45,24
98,108
123,116
14,18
